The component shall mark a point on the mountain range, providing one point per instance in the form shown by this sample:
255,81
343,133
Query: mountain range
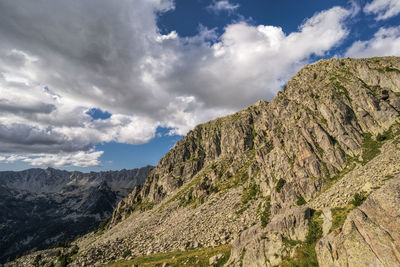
41,207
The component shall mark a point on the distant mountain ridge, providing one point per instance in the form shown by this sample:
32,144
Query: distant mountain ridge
40,207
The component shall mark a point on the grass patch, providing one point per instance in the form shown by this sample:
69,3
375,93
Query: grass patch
370,147
339,215
305,254
253,131
358,199
194,257
265,214
300,201
279,185
143,206
388,177
249,193
181,192
240,177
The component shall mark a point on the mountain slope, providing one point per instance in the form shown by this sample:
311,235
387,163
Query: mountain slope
264,178
42,207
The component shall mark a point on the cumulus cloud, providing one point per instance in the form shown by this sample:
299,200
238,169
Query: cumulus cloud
251,62
79,159
63,58
386,42
223,5
383,9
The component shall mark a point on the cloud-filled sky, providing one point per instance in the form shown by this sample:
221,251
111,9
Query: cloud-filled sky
99,84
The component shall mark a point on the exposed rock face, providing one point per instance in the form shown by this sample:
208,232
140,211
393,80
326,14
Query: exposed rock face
302,136
41,207
259,246
370,235
332,132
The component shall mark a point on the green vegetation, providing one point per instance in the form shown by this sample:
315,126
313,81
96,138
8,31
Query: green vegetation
240,177
37,260
265,214
339,215
387,69
249,193
253,131
388,177
102,226
300,201
314,96
342,91
279,185
67,258
182,192
193,257
315,75
126,253
64,260
358,199
305,254
370,148
138,206
192,159
269,146
242,253
290,242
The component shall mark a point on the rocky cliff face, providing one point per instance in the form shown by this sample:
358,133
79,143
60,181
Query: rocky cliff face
272,179
305,135
370,235
42,207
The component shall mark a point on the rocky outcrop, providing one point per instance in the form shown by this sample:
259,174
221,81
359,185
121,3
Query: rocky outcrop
259,246
40,207
370,235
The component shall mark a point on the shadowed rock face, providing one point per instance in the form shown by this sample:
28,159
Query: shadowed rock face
260,178
40,207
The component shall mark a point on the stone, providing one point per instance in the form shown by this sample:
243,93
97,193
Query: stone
215,259
370,235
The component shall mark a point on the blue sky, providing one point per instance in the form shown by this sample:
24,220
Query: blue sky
105,85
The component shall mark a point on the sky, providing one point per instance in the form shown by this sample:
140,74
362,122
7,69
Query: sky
104,85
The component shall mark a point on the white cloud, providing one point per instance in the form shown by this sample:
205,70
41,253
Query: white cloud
250,62
11,158
223,5
79,159
111,55
384,9
386,42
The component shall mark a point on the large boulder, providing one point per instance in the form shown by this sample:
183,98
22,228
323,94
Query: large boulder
370,235
257,246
